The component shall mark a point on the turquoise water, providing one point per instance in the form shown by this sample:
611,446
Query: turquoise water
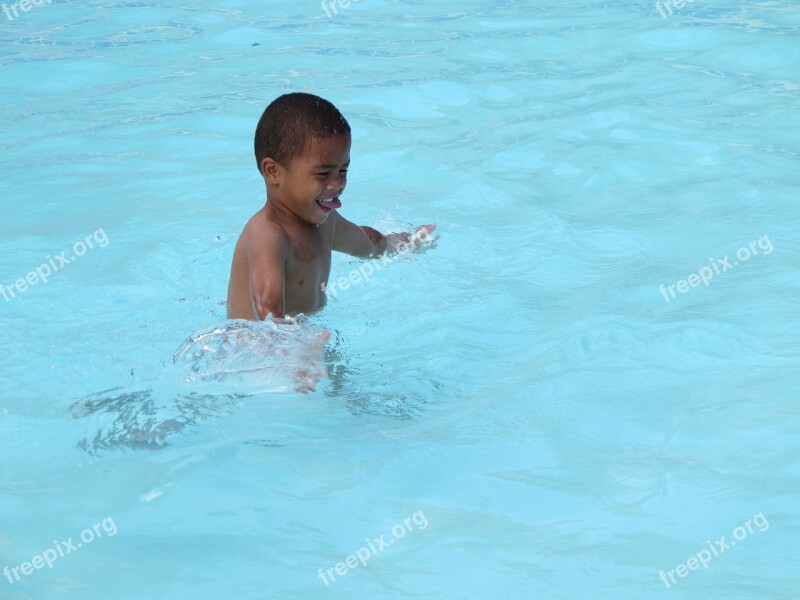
522,402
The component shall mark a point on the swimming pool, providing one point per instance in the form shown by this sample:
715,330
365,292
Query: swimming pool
523,412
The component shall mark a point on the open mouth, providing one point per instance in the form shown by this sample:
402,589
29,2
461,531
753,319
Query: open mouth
329,204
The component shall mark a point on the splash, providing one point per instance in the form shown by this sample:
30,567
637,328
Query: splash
256,357
209,374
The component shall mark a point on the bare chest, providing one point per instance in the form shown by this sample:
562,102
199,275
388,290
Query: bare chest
308,264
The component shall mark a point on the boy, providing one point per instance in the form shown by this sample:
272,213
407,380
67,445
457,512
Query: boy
282,260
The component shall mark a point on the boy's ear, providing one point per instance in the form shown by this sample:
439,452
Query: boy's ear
270,170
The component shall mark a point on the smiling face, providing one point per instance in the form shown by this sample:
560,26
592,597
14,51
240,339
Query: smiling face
310,185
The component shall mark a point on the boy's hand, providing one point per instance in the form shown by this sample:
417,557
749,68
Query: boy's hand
366,242
418,240
307,377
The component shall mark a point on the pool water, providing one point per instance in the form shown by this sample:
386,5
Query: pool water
522,411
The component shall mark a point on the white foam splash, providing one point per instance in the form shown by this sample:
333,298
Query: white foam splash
248,356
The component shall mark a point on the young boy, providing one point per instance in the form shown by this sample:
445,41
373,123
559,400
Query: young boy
282,260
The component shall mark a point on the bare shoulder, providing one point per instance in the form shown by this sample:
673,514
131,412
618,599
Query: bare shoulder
263,235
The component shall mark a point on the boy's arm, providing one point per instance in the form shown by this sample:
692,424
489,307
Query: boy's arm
266,260
366,242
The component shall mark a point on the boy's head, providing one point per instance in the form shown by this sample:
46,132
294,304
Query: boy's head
302,148
291,123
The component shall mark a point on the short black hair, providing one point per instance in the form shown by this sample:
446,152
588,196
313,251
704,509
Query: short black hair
291,122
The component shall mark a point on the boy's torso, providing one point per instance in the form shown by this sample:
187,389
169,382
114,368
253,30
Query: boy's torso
307,267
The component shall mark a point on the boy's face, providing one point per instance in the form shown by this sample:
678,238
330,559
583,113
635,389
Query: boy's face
311,184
